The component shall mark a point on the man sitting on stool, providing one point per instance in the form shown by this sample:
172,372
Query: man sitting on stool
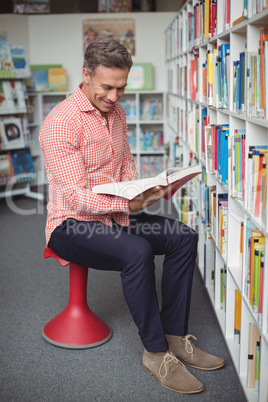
84,143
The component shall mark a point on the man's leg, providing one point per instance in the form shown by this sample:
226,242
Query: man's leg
101,247
178,243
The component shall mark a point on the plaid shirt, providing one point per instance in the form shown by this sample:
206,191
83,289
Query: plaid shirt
81,152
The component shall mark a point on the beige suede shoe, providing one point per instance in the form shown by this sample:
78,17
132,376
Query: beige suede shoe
170,372
184,349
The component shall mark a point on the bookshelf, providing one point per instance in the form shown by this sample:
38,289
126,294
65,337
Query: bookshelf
215,118
145,118
17,170
39,105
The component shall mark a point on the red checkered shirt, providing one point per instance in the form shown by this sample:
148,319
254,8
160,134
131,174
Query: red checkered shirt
81,152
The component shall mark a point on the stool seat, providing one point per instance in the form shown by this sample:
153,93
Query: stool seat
76,327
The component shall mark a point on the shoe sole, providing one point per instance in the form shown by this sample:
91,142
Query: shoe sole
203,368
171,389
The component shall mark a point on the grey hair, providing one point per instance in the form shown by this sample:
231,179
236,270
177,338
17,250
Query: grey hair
107,52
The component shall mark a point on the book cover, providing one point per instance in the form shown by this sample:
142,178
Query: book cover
131,189
3,101
22,166
263,37
224,49
257,239
11,133
261,290
57,79
256,277
22,69
237,317
6,63
254,337
40,76
5,171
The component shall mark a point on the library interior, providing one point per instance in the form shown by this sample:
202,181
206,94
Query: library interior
196,101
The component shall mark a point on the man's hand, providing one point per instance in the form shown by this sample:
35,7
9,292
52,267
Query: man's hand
128,178
149,197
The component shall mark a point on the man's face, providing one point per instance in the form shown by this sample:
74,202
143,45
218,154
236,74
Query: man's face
105,88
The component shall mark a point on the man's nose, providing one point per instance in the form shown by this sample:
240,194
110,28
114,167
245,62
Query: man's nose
113,95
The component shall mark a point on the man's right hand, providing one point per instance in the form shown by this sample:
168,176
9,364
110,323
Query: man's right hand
149,197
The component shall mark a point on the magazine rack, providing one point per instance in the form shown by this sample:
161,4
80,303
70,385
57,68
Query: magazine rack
76,327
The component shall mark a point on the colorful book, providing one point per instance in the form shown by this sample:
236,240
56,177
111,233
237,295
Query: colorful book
22,166
237,317
11,133
254,337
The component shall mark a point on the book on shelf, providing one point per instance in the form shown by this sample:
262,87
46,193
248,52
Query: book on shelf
5,171
13,61
132,138
237,317
57,79
253,339
236,162
223,284
131,189
254,259
257,180
152,165
239,20
48,77
222,224
11,133
151,140
6,62
151,109
22,166
20,62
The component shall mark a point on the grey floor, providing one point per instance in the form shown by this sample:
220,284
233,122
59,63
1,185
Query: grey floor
33,290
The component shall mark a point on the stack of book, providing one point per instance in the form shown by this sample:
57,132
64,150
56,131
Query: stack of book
236,161
216,150
223,285
13,61
151,140
254,270
12,97
237,317
151,109
221,238
152,165
16,166
253,369
257,181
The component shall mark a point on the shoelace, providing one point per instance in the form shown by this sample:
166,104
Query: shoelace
168,358
189,346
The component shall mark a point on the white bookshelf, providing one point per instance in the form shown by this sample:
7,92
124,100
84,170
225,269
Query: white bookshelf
141,118
182,125
20,111
39,105
145,118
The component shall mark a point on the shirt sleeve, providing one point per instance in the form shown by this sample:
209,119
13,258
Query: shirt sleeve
65,170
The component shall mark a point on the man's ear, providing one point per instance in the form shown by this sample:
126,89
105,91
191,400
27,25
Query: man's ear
86,76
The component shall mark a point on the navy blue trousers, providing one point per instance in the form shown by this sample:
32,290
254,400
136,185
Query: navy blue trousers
131,251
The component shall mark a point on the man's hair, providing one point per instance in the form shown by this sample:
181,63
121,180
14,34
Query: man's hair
107,52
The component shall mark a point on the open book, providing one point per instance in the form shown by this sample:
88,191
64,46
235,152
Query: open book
130,189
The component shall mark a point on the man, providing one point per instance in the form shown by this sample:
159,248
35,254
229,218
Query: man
84,143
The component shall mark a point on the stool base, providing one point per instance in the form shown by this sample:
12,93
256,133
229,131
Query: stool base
90,345
74,329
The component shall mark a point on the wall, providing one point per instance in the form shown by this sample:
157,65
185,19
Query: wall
57,39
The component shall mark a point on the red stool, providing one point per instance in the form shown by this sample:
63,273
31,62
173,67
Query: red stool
76,327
